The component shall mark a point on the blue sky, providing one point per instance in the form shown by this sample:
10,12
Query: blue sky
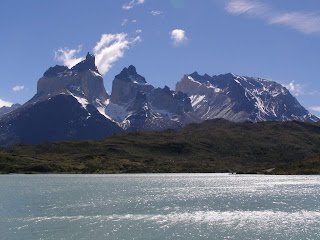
277,40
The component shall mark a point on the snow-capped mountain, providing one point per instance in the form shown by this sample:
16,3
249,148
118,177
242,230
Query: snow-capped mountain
4,110
239,99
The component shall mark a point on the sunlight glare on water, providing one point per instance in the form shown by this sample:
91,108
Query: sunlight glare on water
159,206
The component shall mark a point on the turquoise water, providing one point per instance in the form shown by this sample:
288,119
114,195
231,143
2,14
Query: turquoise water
159,206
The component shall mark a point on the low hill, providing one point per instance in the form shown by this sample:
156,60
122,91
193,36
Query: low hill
212,146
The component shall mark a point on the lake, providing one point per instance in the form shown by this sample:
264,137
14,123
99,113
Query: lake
159,206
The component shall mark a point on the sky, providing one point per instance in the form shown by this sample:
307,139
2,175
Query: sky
271,39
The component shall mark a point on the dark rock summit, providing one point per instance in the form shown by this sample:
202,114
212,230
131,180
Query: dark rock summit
130,74
87,64
55,71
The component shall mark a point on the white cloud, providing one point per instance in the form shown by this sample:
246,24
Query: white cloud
18,88
156,13
68,56
178,36
124,22
298,89
5,104
315,108
132,4
110,48
304,22
295,89
134,21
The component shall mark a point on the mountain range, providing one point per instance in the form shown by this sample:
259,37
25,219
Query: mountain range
5,109
73,104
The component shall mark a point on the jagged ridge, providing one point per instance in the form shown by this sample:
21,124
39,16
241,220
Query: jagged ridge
241,99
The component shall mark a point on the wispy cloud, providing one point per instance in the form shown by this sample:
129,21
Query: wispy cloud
178,36
110,48
132,4
107,51
5,104
315,108
17,88
238,7
68,56
124,22
305,22
156,13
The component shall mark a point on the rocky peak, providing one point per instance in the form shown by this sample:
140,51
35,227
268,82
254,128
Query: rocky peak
191,84
200,78
87,64
167,90
127,84
55,71
130,74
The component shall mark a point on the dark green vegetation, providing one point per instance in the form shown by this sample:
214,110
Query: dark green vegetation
212,146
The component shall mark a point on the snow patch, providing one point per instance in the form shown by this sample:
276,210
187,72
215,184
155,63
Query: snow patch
83,101
166,114
192,80
196,99
95,73
116,112
136,81
101,107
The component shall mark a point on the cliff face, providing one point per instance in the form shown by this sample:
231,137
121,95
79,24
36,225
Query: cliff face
82,80
127,84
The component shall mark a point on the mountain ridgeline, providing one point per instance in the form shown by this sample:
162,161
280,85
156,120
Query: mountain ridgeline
72,104
6,109
241,99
